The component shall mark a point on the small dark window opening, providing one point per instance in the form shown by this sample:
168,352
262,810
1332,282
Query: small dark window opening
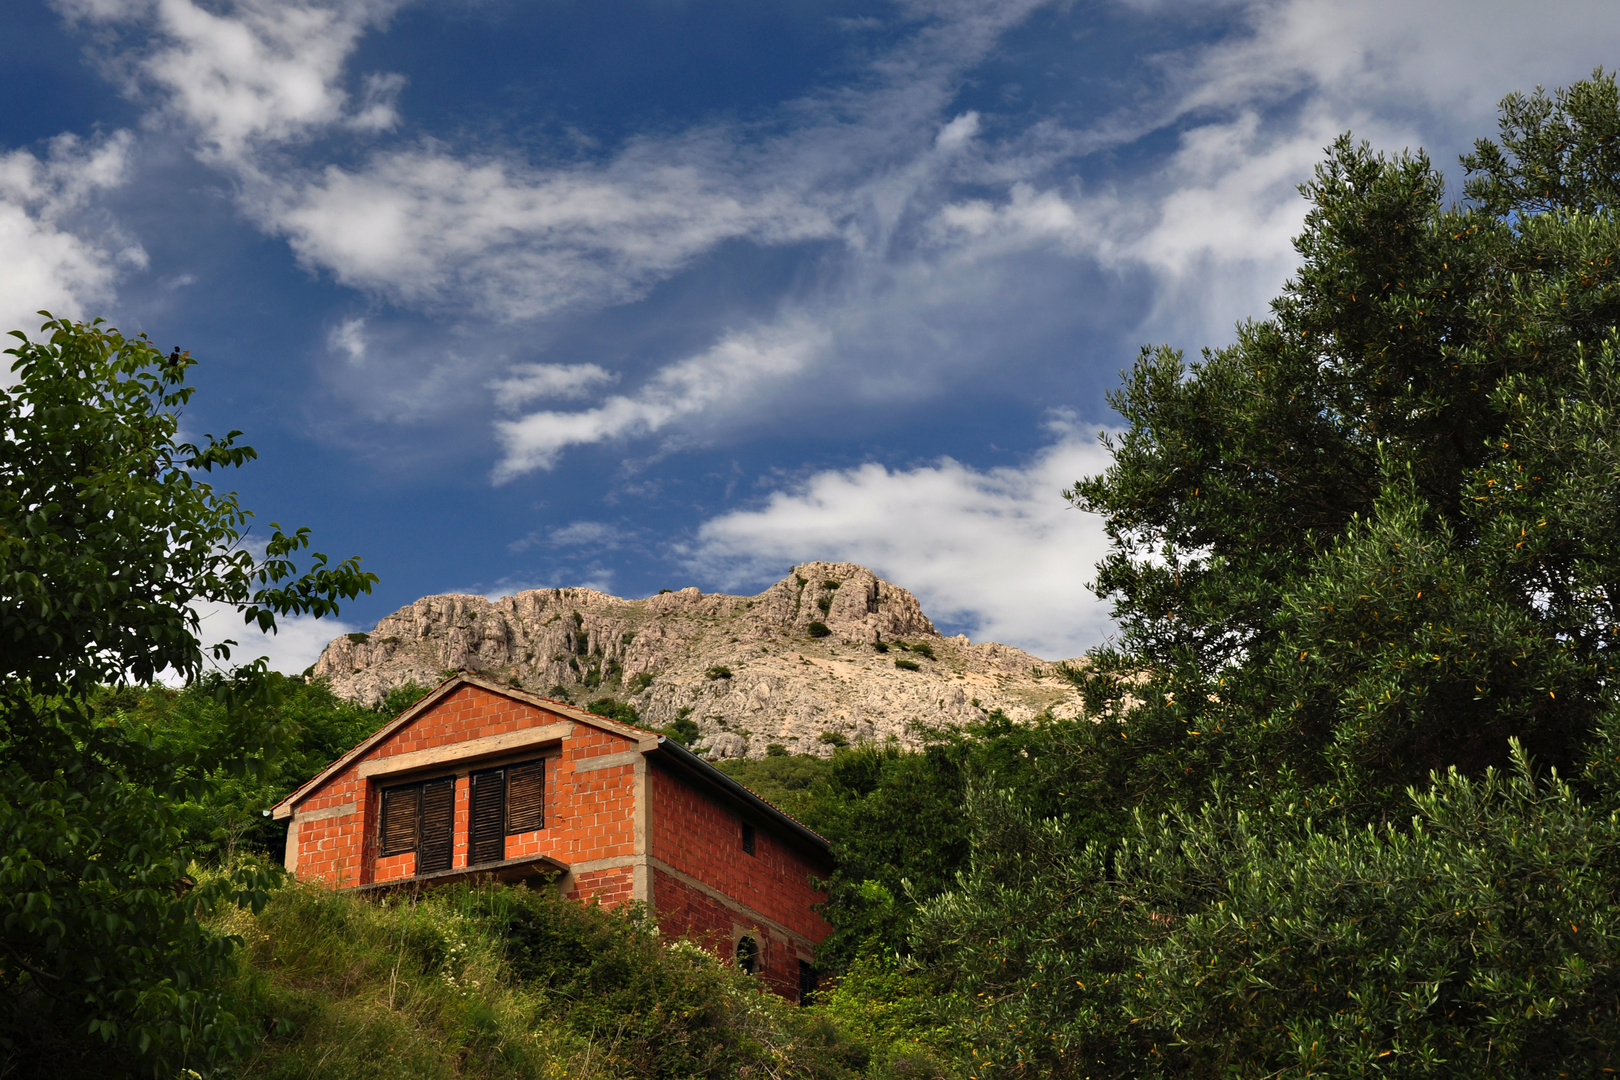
747,955
808,980
748,838
419,818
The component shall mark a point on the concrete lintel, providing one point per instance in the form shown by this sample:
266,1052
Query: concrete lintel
463,751
607,761
330,812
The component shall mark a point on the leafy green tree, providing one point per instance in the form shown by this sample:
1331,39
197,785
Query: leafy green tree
110,538
1373,537
1364,567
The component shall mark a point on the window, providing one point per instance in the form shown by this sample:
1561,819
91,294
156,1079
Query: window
748,838
419,818
808,979
502,803
747,955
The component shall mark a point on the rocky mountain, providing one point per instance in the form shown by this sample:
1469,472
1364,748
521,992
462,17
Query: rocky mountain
828,655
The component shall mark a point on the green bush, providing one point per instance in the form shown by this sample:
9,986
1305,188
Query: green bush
504,982
907,665
922,648
614,709
718,671
819,629
683,729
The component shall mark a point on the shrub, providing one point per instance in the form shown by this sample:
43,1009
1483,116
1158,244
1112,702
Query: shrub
881,646
832,738
922,648
819,629
358,638
614,709
776,749
640,681
683,730
495,981
718,671
824,604
907,665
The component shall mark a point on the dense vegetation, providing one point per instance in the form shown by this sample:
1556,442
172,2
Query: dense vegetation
1350,807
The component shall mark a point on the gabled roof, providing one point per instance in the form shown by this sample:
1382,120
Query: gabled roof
645,738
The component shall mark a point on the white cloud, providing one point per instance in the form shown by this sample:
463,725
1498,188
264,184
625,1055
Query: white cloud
531,382
253,72
730,375
425,228
583,533
923,287
296,645
349,337
55,257
998,550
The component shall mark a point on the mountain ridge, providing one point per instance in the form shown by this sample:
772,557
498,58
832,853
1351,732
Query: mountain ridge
749,671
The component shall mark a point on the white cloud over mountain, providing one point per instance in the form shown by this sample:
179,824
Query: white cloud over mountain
997,550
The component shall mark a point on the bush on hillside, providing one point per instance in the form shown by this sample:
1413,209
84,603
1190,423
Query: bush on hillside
507,982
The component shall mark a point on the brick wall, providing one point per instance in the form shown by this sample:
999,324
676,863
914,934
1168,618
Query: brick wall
591,819
699,837
589,815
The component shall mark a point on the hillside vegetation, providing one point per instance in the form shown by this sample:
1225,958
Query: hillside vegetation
1346,803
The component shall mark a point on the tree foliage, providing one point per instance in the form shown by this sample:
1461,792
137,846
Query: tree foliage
110,540
1363,565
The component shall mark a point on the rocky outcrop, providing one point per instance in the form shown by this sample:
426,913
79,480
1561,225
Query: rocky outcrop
750,671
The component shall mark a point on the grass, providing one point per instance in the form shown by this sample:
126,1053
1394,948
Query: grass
502,982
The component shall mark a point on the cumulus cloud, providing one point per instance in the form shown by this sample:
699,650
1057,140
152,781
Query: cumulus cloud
997,551
253,72
56,256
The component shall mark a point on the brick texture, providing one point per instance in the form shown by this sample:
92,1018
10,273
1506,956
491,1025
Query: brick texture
703,884
587,817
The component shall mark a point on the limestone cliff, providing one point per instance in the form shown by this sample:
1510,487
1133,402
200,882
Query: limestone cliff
748,670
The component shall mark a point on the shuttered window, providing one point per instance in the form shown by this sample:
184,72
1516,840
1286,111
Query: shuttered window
526,797
487,843
438,825
420,818
399,820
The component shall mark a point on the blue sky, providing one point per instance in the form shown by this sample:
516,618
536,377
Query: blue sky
647,294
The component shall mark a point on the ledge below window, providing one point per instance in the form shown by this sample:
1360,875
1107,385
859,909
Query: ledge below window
510,871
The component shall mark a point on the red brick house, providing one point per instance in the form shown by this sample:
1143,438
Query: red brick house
482,780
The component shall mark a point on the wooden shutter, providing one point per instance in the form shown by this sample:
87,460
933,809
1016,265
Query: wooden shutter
488,841
438,825
526,797
398,833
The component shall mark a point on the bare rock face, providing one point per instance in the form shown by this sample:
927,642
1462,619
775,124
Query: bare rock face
750,671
